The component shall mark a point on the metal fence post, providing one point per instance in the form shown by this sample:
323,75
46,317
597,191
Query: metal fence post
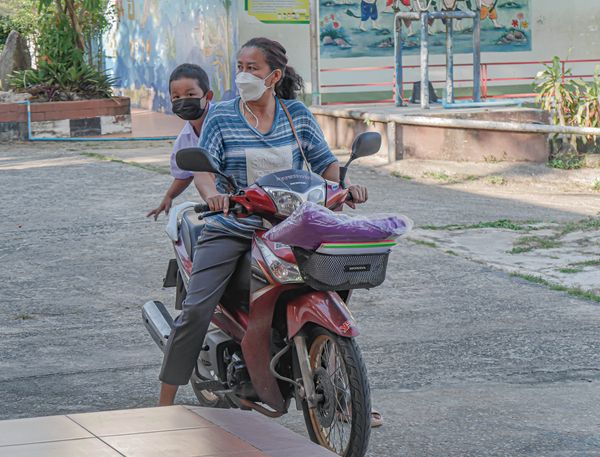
315,43
477,57
449,61
424,60
398,56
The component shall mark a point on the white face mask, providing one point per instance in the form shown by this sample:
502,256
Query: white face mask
251,87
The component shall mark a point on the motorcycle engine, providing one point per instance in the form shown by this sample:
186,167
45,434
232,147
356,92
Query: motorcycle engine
238,378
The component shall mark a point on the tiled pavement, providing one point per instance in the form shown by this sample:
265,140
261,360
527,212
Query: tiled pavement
177,431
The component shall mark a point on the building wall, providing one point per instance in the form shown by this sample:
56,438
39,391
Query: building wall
295,38
554,27
153,36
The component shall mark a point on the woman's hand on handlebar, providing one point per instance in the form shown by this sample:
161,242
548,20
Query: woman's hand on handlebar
356,195
218,202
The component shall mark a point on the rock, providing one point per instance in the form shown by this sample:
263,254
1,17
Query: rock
12,97
15,56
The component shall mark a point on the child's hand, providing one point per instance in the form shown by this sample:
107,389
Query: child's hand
165,206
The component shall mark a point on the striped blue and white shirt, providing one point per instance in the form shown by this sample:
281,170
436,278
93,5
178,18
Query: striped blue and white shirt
247,154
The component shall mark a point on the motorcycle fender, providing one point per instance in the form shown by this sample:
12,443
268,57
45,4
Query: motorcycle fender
326,309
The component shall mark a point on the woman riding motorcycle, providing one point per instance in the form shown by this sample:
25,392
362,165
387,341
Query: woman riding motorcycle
248,137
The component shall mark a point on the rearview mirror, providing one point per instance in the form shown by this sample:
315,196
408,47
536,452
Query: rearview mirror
365,144
199,160
196,159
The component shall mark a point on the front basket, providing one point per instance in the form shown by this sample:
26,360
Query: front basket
341,271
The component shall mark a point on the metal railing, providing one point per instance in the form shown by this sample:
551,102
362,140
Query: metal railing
487,81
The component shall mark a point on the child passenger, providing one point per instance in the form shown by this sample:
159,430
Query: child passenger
190,92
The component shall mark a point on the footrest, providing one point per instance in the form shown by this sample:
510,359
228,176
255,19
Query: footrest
210,385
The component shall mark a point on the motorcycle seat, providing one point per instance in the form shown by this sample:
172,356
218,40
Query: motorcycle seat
191,229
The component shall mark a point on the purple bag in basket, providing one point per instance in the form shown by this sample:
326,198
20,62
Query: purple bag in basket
312,224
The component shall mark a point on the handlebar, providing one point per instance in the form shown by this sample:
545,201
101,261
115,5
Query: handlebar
201,208
204,210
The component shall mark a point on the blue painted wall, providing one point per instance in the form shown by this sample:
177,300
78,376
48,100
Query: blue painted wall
152,37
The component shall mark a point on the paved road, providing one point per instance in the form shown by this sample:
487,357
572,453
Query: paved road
463,360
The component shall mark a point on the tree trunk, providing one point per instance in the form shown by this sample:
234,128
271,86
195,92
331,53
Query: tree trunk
75,23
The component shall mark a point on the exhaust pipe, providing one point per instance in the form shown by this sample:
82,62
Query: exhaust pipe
158,322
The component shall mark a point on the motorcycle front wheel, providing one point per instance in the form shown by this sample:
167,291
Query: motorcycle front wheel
341,421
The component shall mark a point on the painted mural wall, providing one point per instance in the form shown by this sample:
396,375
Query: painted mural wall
152,37
364,28
569,29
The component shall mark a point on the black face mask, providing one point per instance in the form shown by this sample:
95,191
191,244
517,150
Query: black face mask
188,109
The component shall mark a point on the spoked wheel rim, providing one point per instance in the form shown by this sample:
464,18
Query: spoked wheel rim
332,419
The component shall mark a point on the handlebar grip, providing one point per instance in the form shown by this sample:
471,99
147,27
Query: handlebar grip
201,208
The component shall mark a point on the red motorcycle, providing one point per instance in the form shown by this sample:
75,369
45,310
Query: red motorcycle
287,333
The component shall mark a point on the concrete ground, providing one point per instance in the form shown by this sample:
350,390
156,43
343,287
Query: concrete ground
463,358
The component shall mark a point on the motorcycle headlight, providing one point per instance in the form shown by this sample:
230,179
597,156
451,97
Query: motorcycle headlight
286,202
282,271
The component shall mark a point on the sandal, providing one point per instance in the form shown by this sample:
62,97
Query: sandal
376,419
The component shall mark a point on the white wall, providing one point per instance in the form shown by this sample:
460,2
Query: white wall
569,29
295,38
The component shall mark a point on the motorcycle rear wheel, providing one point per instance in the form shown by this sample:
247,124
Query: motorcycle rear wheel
342,420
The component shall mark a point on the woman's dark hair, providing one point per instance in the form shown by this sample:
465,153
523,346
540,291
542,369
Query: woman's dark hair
191,71
291,83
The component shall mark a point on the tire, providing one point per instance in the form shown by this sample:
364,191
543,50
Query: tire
349,418
207,398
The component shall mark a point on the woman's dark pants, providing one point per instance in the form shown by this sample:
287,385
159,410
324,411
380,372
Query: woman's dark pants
215,260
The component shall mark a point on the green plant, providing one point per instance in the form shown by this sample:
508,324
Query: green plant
596,185
574,291
558,92
6,25
570,270
437,175
588,113
587,263
429,244
69,28
19,15
397,174
500,224
569,160
583,225
58,82
571,102
530,243
497,180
